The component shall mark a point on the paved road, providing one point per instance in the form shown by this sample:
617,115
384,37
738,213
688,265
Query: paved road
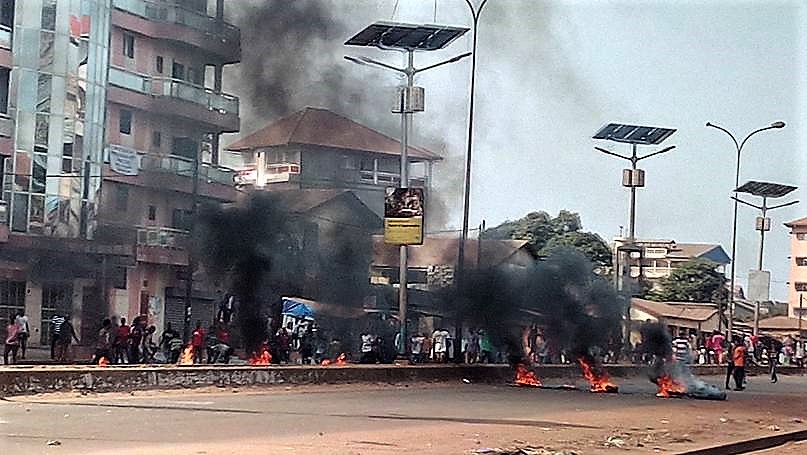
384,419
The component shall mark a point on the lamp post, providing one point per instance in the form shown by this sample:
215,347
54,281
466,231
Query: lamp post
466,207
632,178
406,38
739,148
765,190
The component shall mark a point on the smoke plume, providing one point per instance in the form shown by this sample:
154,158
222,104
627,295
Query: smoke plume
580,311
656,341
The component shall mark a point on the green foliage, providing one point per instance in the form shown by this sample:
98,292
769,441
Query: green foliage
546,233
693,281
588,243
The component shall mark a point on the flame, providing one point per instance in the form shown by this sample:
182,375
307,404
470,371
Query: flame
600,382
526,377
103,361
340,360
186,358
264,358
669,387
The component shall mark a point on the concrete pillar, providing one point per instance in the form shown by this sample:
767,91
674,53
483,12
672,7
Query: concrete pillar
220,10
33,309
217,77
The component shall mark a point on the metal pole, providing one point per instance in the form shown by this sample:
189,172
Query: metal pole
186,334
801,299
759,263
467,190
404,182
730,322
632,227
631,241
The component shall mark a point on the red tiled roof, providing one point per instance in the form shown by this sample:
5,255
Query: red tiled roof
323,128
798,222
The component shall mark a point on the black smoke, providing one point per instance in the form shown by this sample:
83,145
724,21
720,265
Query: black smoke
657,342
580,312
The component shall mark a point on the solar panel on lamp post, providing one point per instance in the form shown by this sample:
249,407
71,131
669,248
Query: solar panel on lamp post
766,191
739,148
632,178
406,38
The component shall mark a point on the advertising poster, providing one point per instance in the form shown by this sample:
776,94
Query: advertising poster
403,216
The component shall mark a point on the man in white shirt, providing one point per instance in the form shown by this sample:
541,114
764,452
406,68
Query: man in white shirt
22,332
439,338
417,348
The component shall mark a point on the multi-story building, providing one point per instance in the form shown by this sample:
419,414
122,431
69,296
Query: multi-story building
656,259
94,80
797,287
319,149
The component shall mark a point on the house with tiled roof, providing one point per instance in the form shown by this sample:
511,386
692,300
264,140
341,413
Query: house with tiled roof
656,259
316,148
683,318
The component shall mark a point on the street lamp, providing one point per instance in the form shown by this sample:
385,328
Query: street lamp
739,147
475,13
632,178
406,38
761,280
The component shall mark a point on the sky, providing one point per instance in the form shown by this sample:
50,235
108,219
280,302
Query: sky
551,73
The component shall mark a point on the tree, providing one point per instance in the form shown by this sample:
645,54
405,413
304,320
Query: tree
544,233
696,280
588,243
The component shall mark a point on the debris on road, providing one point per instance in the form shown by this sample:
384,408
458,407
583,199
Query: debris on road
54,442
528,450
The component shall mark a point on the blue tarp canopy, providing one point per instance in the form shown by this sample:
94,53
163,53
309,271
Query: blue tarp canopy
298,309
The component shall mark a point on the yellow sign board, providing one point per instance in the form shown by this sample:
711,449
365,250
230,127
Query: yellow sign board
403,216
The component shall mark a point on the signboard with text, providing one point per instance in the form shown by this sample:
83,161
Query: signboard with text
403,216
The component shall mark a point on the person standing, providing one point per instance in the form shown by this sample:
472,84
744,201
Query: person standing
23,332
773,358
198,342
739,355
136,333
472,350
729,365
12,342
439,346
717,346
63,354
681,349
800,353
103,345
417,348
169,334
367,348
120,345
55,332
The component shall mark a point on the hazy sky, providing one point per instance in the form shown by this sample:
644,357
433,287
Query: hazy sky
549,74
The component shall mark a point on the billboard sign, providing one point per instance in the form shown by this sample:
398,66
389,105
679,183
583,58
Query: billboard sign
759,286
403,216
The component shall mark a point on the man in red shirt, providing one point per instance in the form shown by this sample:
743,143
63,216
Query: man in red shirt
121,346
197,342
739,355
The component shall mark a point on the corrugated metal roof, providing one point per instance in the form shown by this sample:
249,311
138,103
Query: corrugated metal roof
679,310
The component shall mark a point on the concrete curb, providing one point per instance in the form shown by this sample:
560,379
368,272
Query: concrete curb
26,380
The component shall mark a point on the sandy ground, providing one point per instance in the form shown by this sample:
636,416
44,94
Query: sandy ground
386,419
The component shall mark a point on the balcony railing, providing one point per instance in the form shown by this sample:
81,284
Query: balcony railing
6,126
162,237
389,179
5,36
175,14
177,165
173,88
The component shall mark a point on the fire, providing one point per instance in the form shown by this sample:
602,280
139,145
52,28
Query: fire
669,387
186,358
600,382
340,360
103,361
264,358
526,377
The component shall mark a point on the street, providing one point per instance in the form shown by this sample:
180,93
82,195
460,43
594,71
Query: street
384,419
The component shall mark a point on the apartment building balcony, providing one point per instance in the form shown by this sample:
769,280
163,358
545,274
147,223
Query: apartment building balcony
173,173
6,135
170,21
656,272
5,46
162,245
179,97
387,179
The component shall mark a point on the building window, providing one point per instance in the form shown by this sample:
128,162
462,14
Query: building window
801,286
128,45
801,236
178,71
121,198
152,213
801,262
183,219
118,278
125,121
156,139
657,252
160,62
4,73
